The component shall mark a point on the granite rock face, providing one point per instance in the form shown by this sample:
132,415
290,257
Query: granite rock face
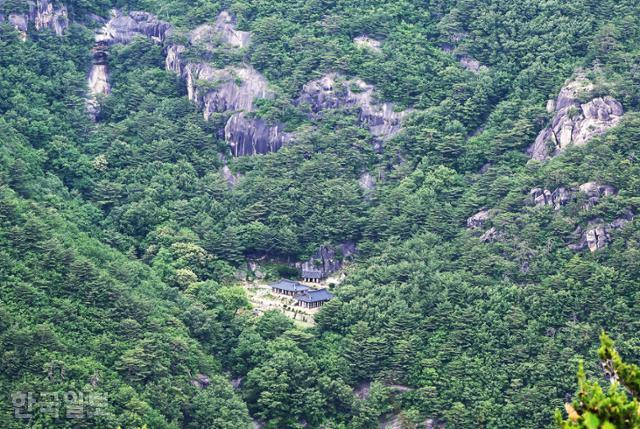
478,219
43,14
594,192
225,26
544,197
224,90
562,195
119,29
575,123
597,234
123,28
333,91
252,136
222,30
233,90
328,259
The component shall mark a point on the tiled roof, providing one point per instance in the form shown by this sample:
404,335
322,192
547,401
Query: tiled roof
312,274
289,285
315,296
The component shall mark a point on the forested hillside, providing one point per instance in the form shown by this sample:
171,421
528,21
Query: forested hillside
482,156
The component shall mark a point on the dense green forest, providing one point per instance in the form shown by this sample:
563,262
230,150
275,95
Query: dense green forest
122,245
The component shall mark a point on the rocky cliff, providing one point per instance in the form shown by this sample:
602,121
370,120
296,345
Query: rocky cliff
252,136
334,91
120,28
561,196
225,27
232,89
43,14
328,259
573,122
123,28
545,197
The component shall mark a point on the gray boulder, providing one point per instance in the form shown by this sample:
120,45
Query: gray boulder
544,197
478,219
333,91
575,123
594,192
597,234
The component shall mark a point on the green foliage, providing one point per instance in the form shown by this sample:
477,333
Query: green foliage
120,240
594,408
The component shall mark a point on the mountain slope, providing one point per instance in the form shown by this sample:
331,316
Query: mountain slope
482,276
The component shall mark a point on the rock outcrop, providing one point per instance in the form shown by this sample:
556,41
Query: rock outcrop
597,234
228,176
119,29
223,30
368,43
224,90
544,197
123,28
333,91
594,192
225,26
98,80
466,61
367,182
327,260
252,136
478,219
471,64
201,381
562,195
233,90
43,14
575,123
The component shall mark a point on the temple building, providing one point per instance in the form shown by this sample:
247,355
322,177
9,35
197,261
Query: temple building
289,287
311,275
313,298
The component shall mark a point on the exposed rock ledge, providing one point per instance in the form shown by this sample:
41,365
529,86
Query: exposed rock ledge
43,14
368,43
327,260
574,123
124,28
118,29
231,89
562,195
466,61
478,220
597,234
252,136
333,91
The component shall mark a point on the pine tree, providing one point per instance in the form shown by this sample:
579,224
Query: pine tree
618,407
